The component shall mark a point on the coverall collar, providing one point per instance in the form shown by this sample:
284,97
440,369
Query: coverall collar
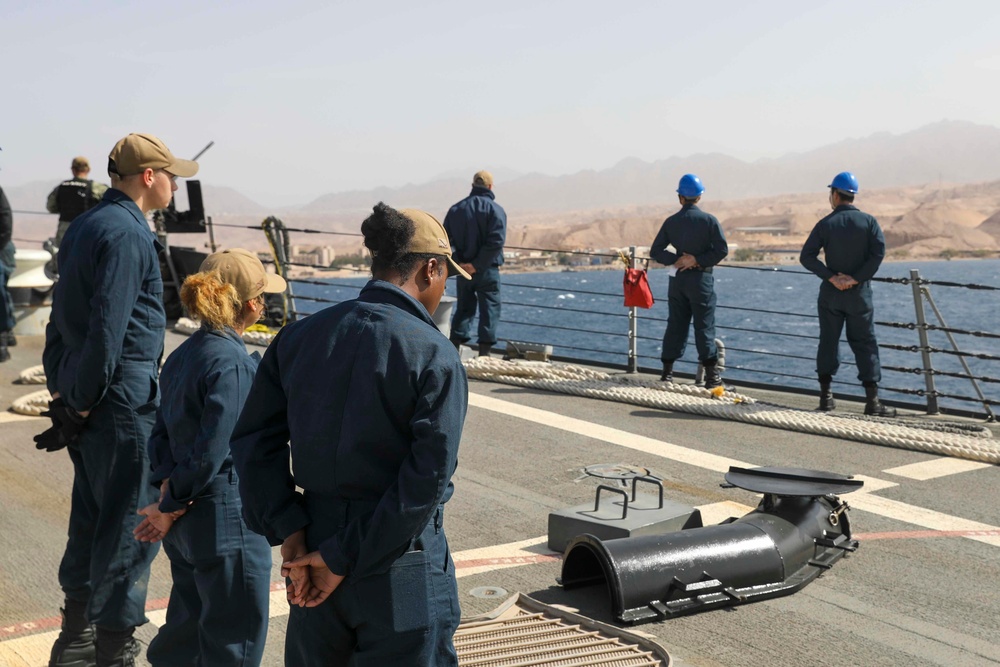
380,291
228,333
118,197
482,192
845,207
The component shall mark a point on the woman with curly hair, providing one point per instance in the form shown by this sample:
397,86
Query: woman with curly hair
218,607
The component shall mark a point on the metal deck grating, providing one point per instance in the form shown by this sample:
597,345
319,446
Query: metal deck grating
523,632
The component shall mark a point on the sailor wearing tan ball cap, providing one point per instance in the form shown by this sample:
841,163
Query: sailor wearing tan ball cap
221,571
102,350
371,398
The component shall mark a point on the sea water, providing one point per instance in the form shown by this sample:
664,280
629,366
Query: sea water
766,320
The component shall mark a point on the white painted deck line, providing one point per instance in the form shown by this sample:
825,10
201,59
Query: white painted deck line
608,434
940,467
863,500
919,516
716,513
872,484
7,416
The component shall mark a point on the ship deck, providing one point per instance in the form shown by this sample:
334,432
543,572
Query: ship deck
921,589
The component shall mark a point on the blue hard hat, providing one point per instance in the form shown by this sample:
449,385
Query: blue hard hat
690,186
846,182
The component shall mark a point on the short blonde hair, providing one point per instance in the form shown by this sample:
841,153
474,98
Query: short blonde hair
211,300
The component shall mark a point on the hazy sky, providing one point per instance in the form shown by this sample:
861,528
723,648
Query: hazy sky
306,98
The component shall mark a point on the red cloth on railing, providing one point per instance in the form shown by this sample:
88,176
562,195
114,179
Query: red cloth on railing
637,292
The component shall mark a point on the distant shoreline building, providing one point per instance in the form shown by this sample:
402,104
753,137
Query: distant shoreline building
317,256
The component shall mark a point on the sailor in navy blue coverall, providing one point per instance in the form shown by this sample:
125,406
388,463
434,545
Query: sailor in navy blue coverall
6,269
699,245
477,227
218,608
371,398
103,345
854,248
221,572
102,348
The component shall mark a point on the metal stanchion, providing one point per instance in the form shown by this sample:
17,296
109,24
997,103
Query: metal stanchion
925,355
633,325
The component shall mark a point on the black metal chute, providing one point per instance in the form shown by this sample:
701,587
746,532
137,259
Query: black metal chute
775,550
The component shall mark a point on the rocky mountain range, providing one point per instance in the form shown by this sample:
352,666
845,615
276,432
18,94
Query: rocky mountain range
935,190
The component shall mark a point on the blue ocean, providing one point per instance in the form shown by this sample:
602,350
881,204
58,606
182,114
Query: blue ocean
766,318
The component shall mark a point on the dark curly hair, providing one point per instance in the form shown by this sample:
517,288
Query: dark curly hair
387,235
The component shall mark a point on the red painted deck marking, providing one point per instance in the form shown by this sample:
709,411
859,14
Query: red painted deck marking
54,622
918,534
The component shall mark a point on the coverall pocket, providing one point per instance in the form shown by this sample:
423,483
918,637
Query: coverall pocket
403,596
140,388
153,289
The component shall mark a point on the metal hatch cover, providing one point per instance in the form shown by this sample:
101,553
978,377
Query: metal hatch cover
523,631
792,481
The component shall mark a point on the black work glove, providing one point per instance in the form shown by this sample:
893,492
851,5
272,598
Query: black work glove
66,426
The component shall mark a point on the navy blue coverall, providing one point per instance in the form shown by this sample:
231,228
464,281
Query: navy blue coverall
102,349
372,399
691,292
853,245
477,228
221,572
6,263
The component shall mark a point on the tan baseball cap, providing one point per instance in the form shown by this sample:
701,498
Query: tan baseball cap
483,179
430,238
79,163
138,152
244,271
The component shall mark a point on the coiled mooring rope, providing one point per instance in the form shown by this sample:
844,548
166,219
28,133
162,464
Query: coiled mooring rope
188,326
961,442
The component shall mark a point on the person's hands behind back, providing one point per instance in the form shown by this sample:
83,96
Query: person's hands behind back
321,581
66,426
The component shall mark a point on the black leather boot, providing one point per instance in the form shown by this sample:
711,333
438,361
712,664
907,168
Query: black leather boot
116,648
484,349
668,372
4,353
713,378
873,406
456,342
75,645
8,338
826,402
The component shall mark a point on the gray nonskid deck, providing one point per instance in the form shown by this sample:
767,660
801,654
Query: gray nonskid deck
919,591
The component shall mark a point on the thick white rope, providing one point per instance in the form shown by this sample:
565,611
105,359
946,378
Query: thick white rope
188,326
33,375
579,381
36,402
32,404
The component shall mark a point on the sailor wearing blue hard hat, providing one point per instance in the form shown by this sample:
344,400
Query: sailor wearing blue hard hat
854,249
699,245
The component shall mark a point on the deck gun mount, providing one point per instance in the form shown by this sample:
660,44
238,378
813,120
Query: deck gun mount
798,531
177,263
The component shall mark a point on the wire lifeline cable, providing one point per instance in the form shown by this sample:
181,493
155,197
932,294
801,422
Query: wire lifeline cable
732,367
902,281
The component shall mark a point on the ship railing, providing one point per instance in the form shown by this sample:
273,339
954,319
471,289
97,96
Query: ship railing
647,328
638,327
